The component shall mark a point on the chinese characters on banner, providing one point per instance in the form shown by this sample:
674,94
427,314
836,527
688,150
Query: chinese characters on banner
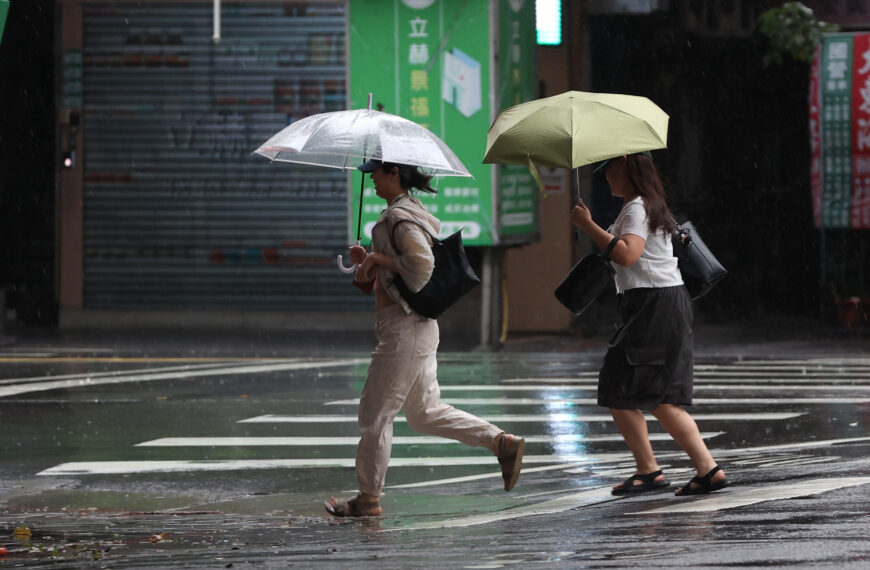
517,191
840,132
428,61
431,61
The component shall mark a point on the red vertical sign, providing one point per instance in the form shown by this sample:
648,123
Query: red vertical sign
860,214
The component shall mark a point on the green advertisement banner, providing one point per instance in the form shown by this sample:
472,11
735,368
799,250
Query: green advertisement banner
4,11
840,131
429,61
517,192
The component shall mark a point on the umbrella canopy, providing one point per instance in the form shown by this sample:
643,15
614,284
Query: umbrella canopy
574,129
346,139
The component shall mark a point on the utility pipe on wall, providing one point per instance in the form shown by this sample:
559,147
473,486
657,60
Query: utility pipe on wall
216,32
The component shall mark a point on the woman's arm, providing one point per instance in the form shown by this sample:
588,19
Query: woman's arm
371,262
415,264
627,250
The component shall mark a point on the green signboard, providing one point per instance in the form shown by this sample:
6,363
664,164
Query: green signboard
840,132
429,61
4,11
517,191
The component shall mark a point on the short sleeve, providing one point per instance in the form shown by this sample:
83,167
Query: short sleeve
633,220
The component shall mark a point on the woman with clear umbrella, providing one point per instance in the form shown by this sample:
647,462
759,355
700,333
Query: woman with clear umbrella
649,363
402,373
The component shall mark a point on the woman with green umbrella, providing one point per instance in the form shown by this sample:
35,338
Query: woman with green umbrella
402,373
650,360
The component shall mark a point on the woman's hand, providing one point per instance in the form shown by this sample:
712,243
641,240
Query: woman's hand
357,254
581,216
365,271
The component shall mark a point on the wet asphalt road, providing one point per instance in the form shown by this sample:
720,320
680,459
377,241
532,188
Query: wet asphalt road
215,451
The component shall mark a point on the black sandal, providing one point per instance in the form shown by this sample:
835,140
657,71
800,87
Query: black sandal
703,484
647,483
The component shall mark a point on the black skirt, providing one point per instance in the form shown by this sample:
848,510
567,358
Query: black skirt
650,362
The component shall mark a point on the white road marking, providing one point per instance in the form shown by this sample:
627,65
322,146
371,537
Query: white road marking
557,505
488,475
601,469
119,467
590,386
85,382
706,378
399,440
526,418
156,466
594,401
789,446
732,500
181,370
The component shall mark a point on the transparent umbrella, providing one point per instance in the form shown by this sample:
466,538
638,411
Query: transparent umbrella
346,139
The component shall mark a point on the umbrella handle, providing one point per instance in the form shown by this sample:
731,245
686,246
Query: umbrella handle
342,268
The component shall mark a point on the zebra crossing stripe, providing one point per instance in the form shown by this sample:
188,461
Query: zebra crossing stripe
526,418
704,387
181,371
557,505
594,401
731,500
93,380
398,440
726,500
479,476
129,467
184,465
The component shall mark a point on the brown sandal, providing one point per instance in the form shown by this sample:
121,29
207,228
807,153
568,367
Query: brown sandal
510,457
352,508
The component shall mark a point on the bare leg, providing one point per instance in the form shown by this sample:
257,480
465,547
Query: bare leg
684,430
632,426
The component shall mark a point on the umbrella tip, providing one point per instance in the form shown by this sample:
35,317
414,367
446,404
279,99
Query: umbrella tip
370,101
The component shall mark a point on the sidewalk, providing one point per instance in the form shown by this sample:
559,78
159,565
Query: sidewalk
768,338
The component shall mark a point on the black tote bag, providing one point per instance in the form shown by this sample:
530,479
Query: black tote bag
699,267
451,278
587,280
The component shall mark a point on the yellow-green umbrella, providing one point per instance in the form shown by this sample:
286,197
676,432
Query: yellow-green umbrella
574,129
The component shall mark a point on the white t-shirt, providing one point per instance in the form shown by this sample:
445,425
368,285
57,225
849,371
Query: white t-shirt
657,266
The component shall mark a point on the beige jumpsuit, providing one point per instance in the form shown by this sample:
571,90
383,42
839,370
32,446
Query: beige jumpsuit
403,370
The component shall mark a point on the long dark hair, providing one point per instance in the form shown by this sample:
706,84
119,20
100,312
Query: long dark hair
411,177
643,175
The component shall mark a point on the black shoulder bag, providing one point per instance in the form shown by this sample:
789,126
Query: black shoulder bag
587,280
451,278
699,267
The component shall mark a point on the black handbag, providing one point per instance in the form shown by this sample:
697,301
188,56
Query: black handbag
587,280
452,276
699,267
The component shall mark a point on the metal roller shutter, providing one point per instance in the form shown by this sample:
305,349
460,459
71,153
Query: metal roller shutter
177,213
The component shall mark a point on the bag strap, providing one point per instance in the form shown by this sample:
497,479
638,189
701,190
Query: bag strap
412,220
610,247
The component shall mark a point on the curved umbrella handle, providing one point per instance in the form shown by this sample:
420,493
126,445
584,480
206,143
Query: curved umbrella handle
342,268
